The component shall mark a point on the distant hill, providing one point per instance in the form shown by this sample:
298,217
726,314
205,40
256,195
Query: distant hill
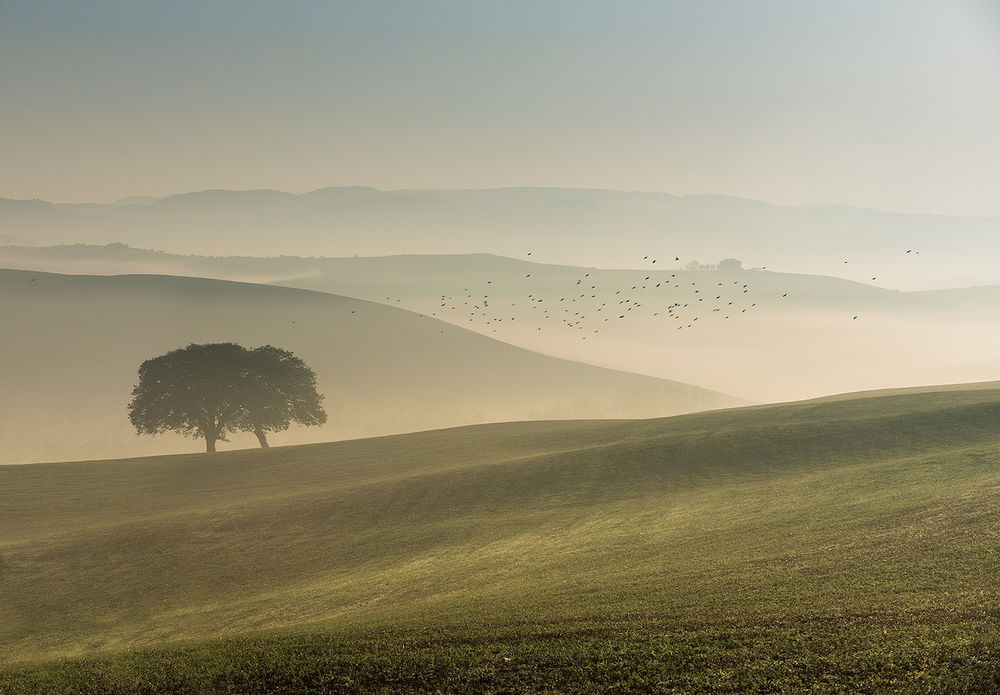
229,201
72,345
583,227
758,334
851,542
135,200
911,391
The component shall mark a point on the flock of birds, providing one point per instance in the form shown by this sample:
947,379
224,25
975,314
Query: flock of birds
589,301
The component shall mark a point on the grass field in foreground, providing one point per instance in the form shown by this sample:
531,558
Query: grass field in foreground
844,546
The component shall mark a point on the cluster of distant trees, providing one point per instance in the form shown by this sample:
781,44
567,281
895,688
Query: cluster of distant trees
725,265
214,389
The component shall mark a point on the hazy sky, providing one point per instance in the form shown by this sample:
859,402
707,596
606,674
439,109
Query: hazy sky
892,104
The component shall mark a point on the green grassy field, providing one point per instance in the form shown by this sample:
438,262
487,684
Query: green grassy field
844,546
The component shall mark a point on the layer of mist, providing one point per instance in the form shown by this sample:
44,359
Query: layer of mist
77,341
758,334
578,227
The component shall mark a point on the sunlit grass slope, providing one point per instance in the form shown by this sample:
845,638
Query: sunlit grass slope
852,545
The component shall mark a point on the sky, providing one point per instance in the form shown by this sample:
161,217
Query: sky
893,104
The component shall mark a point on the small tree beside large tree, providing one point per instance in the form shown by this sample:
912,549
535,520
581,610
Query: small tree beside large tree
214,389
279,389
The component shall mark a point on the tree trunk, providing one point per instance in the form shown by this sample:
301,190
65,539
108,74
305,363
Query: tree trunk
211,427
261,436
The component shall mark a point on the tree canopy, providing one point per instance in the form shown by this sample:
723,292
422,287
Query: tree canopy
214,389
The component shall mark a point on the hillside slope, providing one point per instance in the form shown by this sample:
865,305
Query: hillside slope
867,514
753,333
73,345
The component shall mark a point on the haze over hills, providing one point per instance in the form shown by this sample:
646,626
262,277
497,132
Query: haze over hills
753,333
585,227
659,341
71,362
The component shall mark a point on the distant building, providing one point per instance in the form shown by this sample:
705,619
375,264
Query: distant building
730,265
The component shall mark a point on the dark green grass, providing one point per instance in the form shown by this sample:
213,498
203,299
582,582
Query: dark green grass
847,546
849,654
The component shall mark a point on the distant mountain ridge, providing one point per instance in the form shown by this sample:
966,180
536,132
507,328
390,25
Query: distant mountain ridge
586,227
526,195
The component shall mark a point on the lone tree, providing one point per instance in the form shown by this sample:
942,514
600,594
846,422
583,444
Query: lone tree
211,390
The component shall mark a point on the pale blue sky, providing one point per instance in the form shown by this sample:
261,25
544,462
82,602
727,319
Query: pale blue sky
892,104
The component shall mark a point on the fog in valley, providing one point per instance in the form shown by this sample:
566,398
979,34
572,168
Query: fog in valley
80,339
409,342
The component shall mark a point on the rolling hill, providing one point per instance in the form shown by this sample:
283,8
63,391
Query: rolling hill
73,345
849,546
567,226
758,334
